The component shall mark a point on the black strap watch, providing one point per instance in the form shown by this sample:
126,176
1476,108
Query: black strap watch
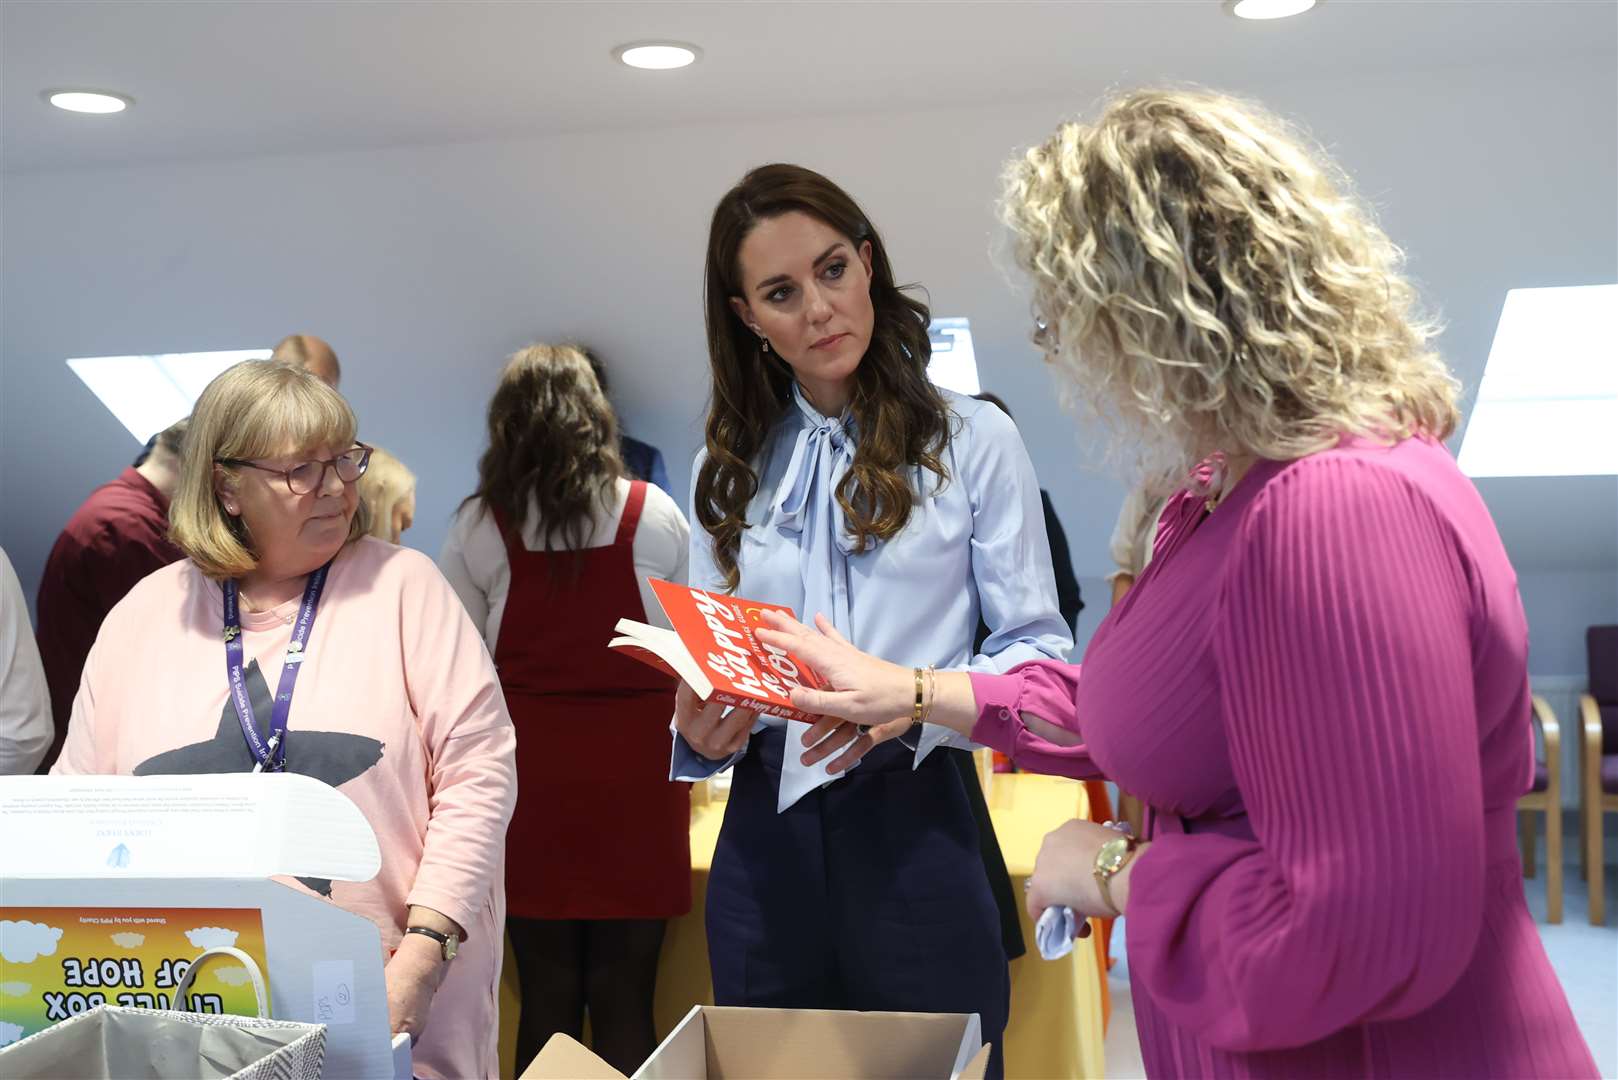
449,944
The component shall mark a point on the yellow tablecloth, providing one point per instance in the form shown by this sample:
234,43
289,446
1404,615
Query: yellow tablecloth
1056,1012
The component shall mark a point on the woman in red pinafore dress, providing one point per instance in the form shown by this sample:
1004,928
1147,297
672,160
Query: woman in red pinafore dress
598,854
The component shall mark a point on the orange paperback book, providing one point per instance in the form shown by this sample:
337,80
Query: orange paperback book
713,648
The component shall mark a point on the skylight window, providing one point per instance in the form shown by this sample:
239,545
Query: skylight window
953,366
1548,404
149,393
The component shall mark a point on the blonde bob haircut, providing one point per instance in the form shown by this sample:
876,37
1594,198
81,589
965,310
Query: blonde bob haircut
256,409
385,484
1207,282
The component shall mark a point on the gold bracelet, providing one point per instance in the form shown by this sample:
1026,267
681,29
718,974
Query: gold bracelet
916,710
932,693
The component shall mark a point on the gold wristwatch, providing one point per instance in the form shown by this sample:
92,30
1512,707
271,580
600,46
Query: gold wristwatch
1113,857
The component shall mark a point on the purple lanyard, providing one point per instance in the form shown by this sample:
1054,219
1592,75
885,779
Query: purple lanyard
271,755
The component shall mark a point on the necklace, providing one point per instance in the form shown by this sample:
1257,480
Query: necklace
1224,479
253,609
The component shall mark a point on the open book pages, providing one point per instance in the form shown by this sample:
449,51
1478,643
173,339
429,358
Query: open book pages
714,650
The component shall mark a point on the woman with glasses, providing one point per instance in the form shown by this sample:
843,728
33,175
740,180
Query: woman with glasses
346,659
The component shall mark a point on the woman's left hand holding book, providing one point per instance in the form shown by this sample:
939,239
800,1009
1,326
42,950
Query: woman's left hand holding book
710,728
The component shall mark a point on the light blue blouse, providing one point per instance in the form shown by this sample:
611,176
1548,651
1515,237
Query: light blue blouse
974,544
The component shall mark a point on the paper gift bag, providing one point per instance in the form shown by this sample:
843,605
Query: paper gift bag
112,1042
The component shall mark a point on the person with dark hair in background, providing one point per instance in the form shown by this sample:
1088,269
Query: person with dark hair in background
643,460
118,536
553,547
312,354
839,481
1068,600
1069,604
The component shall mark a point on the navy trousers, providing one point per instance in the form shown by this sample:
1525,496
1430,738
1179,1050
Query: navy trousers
869,894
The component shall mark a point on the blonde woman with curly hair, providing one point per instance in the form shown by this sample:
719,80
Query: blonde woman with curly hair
1319,684
388,493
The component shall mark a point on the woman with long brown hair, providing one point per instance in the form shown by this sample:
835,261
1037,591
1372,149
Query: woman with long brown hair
838,480
550,551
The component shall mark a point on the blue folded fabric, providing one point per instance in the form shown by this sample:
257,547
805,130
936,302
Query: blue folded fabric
1055,931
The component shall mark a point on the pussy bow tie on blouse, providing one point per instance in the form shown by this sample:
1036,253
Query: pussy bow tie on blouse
805,504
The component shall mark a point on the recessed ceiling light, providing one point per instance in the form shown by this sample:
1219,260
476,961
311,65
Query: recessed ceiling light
88,101
657,55
1268,9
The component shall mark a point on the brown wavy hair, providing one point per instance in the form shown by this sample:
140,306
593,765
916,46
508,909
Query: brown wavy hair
902,419
553,445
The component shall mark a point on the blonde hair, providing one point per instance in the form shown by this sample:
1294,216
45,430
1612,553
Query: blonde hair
256,409
1212,284
386,483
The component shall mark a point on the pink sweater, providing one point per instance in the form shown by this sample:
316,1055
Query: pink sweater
1321,691
398,706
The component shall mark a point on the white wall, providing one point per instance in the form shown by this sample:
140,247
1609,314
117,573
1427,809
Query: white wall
425,266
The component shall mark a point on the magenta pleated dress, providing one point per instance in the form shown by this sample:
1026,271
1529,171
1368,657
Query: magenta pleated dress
1321,690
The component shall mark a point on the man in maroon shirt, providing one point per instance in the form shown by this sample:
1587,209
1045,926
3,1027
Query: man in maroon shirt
116,538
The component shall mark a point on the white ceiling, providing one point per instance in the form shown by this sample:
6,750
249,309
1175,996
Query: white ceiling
218,78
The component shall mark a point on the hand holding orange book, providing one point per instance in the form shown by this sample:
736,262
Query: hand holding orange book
714,649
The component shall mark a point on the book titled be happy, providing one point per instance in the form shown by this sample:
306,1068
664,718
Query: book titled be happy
714,648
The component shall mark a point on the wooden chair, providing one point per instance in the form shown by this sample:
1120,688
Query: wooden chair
1545,797
1598,758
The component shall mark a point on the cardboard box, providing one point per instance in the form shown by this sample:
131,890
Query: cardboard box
109,885
718,1043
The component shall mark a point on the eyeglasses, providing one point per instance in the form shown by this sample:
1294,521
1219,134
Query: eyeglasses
310,476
